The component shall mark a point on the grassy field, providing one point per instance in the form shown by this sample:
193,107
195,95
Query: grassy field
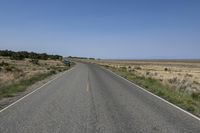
181,75
175,81
12,89
17,75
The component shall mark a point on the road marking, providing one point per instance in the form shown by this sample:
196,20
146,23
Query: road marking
197,118
88,87
35,90
88,83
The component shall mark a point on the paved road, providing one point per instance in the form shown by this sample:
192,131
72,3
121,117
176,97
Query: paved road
89,99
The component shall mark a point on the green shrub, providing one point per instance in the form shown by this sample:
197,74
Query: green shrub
9,68
35,61
166,69
17,56
138,68
107,66
196,95
195,82
4,64
53,71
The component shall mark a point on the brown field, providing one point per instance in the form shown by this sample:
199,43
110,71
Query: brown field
12,71
181,75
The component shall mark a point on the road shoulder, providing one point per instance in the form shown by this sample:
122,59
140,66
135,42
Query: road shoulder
5,102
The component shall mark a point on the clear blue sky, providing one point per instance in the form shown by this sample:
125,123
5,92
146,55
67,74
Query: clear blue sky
102,28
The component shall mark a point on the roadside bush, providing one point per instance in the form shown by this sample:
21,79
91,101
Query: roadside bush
196,95
123,68
138,68
190,107
53,72
35,61
17,56
188,75
147,73
9,68
173,80
107,66
195,82
4,64
166,69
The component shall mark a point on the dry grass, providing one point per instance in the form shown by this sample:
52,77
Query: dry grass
180,75
13,71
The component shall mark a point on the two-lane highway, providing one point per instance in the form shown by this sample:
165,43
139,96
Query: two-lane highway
89,99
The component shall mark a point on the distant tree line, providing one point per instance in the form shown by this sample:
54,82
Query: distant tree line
20,55
73,57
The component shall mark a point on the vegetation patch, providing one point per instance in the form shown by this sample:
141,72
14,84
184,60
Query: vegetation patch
11,90
18,70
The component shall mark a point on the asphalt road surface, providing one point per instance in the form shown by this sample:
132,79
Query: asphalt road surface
89,99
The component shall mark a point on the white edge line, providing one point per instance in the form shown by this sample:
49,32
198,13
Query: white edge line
35,90
155,95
